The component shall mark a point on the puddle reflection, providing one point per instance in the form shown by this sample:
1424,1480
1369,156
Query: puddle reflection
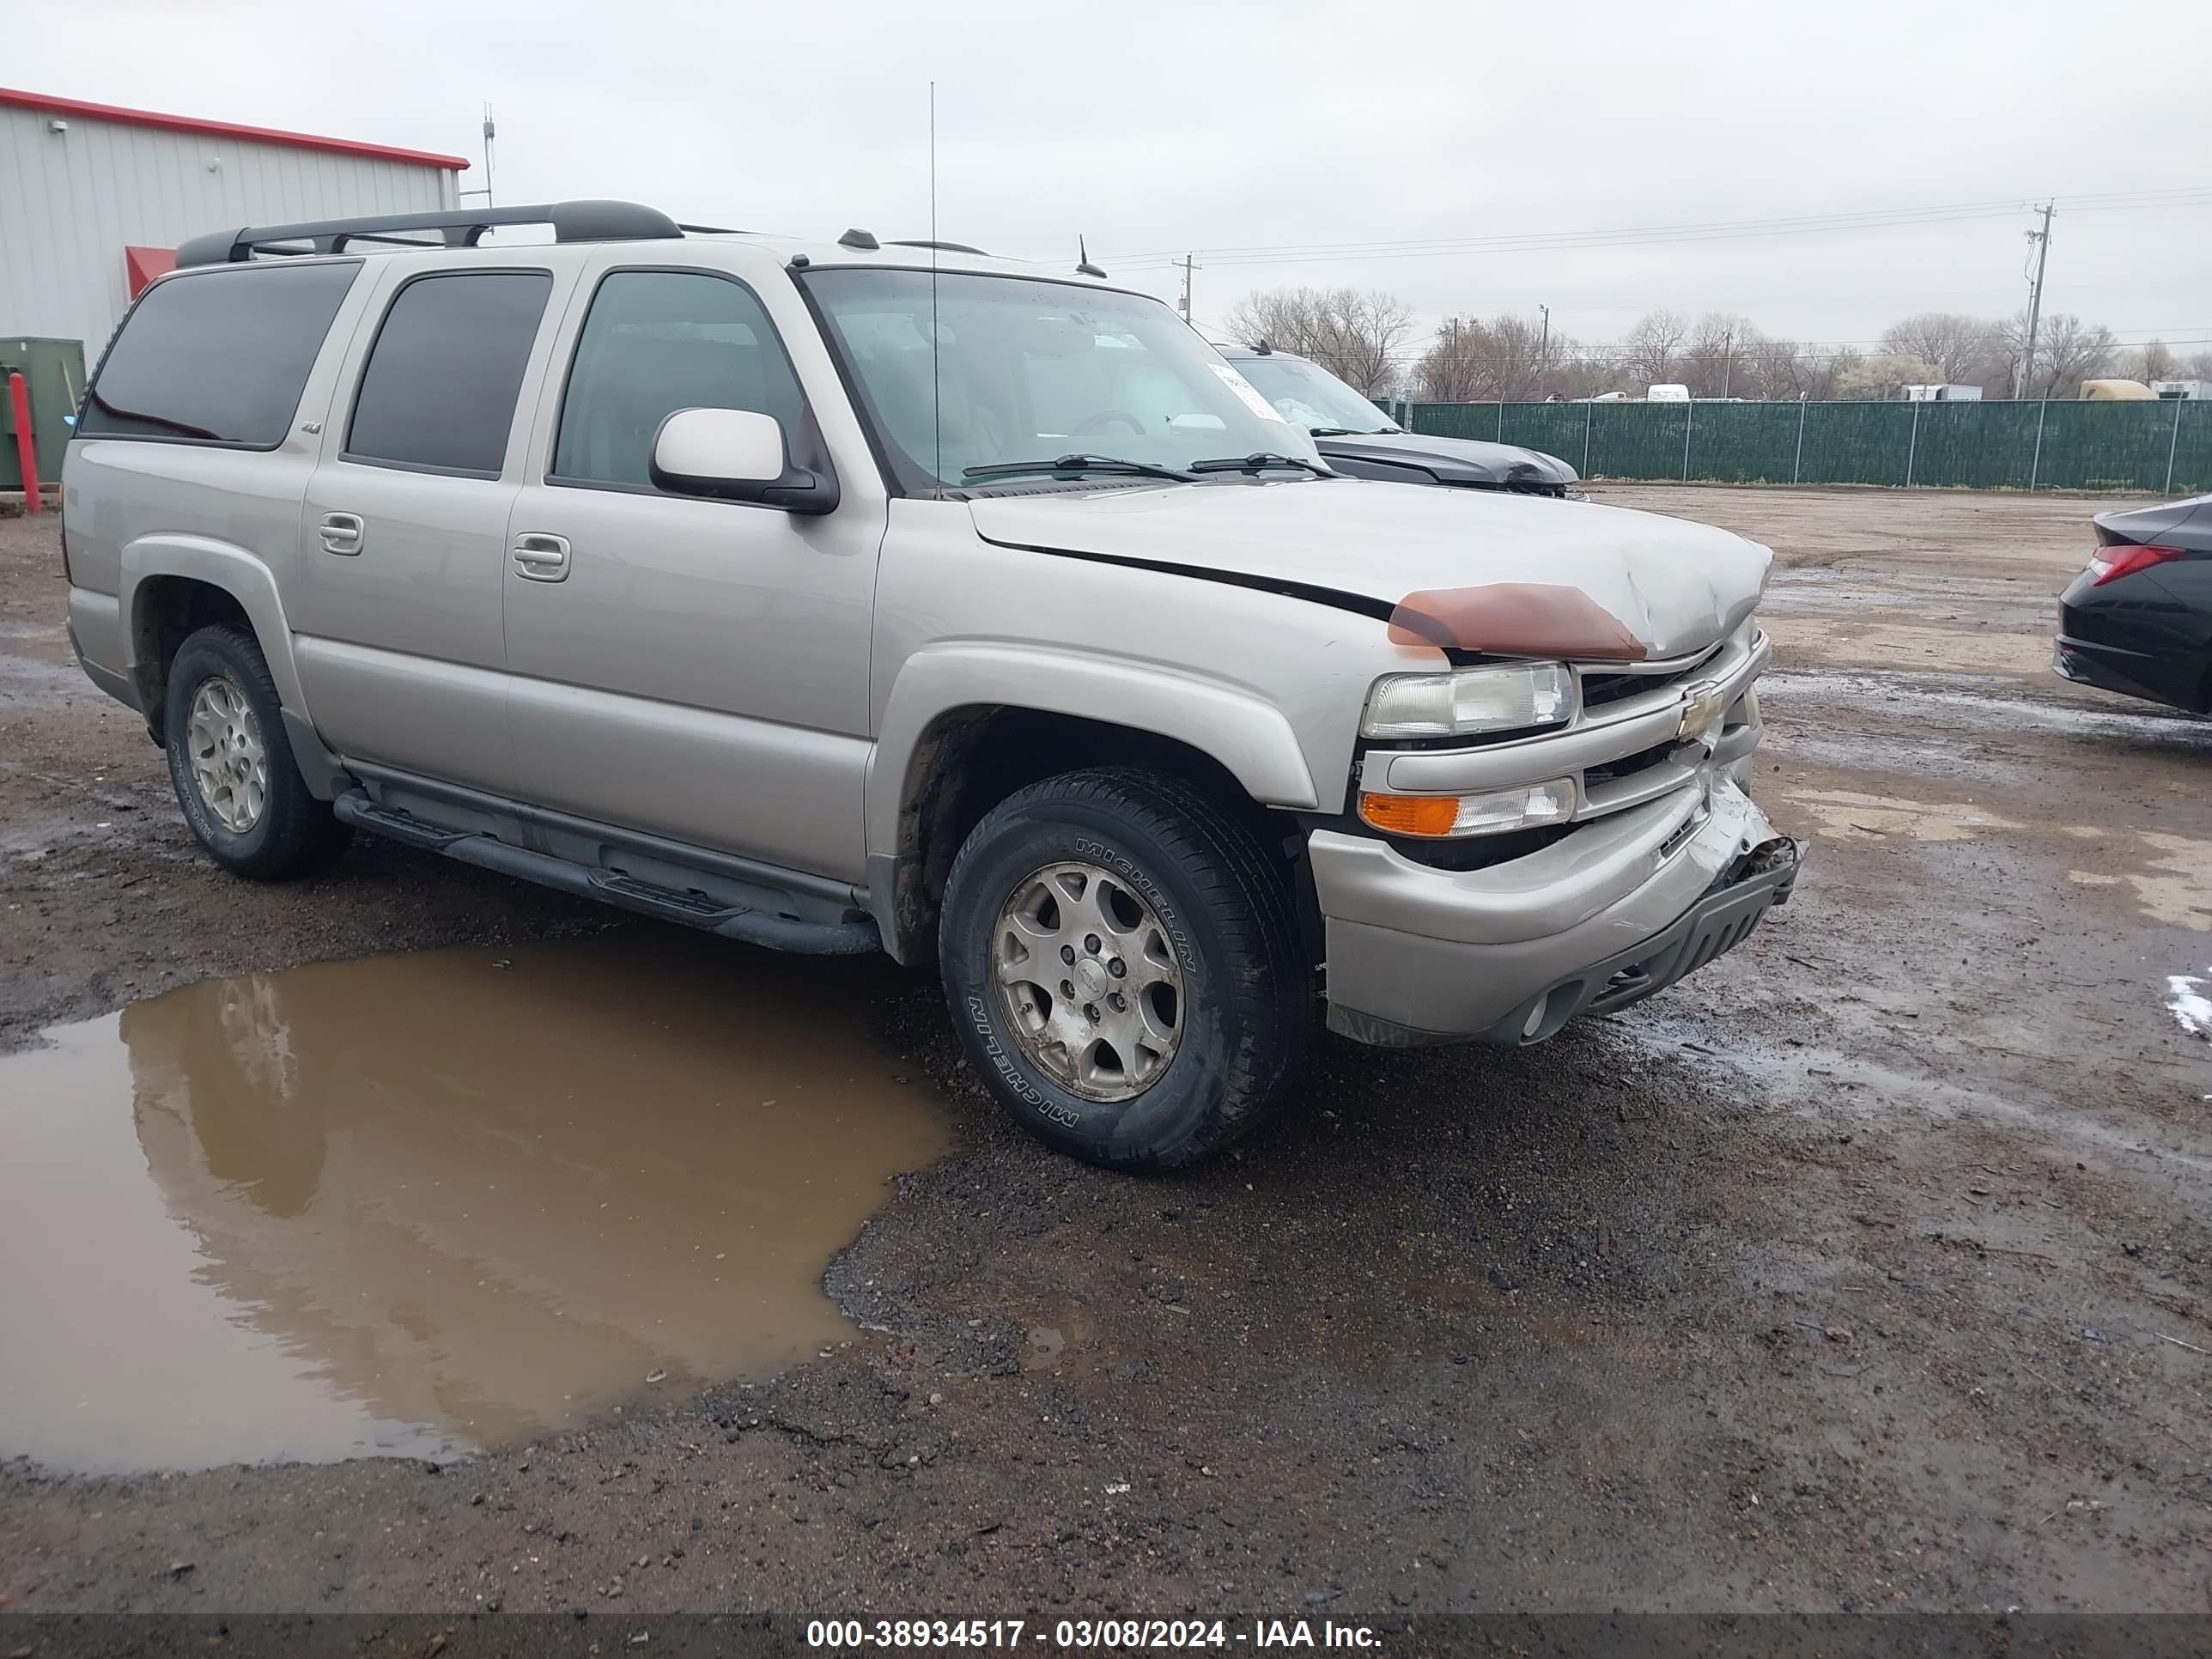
419,1203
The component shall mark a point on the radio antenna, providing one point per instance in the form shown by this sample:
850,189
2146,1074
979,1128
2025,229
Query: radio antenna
936,396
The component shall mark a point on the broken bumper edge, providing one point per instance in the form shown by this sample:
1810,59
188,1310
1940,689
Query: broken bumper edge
1399,989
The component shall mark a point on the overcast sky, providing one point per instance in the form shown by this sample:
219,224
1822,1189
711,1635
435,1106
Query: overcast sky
1221,127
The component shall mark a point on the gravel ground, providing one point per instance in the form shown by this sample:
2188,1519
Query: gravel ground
1867,1270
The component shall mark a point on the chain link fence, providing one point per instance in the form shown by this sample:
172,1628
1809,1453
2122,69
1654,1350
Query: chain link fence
2160,448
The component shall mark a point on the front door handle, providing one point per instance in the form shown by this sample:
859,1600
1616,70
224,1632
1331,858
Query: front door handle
341,533
541,558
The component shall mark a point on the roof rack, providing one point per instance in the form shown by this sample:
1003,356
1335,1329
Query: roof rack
942,247
456,226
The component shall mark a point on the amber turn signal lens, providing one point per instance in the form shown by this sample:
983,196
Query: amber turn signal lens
1411,815
1521,807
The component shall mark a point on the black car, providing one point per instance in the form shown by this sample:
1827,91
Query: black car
1356,437
2139,619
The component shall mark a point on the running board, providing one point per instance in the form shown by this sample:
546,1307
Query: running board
855,936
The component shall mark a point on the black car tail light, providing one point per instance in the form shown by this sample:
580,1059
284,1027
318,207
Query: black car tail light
2110,563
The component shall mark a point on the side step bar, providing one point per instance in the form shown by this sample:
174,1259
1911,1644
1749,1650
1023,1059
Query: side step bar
854,937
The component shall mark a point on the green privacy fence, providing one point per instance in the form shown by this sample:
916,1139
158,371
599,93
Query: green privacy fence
2163,448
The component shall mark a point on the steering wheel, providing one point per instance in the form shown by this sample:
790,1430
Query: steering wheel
1105,417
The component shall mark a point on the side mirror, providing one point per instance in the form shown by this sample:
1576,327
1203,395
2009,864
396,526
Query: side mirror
736,455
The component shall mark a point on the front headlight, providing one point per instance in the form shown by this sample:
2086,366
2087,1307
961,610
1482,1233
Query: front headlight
1505,698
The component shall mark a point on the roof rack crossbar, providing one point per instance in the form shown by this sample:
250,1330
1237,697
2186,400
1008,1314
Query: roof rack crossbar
942,247
457,226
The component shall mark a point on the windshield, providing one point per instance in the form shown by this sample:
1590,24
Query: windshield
1029,371
1309,396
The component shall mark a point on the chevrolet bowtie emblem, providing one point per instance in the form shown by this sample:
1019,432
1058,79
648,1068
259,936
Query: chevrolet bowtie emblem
1703,704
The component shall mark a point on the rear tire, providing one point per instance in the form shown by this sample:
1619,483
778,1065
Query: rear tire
230,763
1115,910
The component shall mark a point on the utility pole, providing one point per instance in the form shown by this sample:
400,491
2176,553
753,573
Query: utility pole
1544,350
1189,263
2040,240
1727,362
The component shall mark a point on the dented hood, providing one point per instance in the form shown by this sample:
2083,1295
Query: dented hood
1675,585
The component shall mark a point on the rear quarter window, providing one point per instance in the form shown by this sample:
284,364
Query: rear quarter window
217,357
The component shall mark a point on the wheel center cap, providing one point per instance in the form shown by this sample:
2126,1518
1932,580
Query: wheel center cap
1090,976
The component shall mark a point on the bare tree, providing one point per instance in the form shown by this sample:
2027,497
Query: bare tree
1884,376
1557,374
2199,368
1784,372
2068,351
2074,351
1653,351
1958,347
1715,351
1580,372
2152,360
1448,372
1831,371
1507,358
1355,333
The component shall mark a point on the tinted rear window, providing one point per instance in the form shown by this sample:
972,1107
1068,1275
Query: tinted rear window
217,357
440,387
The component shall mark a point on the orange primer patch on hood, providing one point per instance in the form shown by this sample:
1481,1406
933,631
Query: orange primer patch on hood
1514,619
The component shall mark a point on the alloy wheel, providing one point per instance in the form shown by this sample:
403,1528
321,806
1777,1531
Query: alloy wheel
1090,979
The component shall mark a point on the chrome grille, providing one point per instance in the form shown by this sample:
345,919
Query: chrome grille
1625,747
1601,686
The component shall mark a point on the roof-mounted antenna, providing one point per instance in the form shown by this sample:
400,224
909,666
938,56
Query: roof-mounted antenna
863,240
936,334
1264,349
1083,265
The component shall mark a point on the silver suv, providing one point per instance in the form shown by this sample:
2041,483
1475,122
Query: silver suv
844,596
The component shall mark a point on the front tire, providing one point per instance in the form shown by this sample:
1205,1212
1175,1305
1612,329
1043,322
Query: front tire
1124,968
230,763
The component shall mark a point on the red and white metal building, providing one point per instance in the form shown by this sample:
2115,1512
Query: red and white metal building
94,199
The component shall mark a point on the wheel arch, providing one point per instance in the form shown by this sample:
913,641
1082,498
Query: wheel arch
173,585
943,763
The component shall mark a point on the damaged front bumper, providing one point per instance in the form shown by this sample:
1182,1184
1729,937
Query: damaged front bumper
1508,954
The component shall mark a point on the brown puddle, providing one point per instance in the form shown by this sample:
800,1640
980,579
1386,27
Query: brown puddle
417,1204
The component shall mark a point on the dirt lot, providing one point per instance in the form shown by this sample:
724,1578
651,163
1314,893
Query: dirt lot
1867,1270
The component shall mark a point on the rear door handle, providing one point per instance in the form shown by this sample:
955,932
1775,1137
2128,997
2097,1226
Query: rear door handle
341,532
541,558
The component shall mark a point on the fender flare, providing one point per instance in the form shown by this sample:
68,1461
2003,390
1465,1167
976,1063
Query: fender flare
1247,735
219,564
246,579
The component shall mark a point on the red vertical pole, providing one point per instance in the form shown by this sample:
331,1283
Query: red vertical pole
26,452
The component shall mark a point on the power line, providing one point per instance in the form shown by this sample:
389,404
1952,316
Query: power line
1646,235
1871,218
1617,351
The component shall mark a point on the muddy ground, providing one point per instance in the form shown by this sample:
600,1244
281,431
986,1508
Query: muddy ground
1867,1270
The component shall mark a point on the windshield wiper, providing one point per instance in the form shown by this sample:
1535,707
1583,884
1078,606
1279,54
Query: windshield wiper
1351,431
1259,462
1077,464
